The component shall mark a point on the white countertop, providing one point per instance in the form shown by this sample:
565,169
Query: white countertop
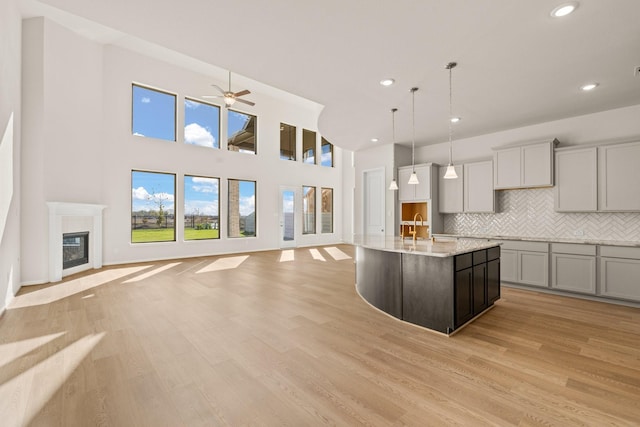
543,239
440,248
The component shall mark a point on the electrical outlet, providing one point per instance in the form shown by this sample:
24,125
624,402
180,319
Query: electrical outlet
578,233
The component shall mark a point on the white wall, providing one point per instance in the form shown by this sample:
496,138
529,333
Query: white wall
86,114
607,126
10,117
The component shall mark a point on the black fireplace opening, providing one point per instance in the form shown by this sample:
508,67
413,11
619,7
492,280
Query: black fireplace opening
75,249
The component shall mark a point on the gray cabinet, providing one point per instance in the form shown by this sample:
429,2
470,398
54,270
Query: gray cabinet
525,263
450,191
419,192
479,195
524,166
576,180
619,177
620,272
573,267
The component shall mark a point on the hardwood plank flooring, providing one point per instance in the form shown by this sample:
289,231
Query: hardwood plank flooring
249,340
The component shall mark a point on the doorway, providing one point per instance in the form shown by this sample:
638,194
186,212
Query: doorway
373,203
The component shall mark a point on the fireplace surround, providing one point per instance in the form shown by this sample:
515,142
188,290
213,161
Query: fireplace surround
73,218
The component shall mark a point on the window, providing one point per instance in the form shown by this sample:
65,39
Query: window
308,210
201,201
152,207
153,113
242,208
201,124
327,210
308,146
326,150
287,142
241,132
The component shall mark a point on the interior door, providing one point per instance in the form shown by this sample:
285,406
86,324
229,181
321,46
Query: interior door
287,218
373,202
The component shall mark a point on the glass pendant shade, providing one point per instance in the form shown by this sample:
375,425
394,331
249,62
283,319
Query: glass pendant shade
451,172
393,185
413,179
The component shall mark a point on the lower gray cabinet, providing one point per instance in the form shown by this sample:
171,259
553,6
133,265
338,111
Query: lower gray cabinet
620,272
573,267
525,263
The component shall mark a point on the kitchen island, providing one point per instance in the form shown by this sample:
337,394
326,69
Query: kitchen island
440,285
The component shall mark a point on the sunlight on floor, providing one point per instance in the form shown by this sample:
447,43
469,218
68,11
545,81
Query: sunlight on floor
287,255
21,404
316,255
152,272
62,290
224,264
336,253
14,350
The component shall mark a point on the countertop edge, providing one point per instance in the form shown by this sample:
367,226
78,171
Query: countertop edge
542,239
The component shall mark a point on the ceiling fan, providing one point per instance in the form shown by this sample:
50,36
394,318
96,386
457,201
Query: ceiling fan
230,97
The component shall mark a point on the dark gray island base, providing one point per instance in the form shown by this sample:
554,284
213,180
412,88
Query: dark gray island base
440,286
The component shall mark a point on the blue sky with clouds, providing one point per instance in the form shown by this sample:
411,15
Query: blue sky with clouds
154,114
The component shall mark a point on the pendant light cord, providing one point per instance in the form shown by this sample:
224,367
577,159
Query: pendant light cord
413,126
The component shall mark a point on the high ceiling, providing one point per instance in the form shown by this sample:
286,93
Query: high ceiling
516,64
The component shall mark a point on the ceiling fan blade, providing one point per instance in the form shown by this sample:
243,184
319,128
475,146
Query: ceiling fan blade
244,101
211,96
219,88
242,93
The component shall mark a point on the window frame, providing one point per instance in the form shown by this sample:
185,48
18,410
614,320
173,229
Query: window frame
305,150
219,118
255,208
184,208
131,188
306,208
255,133
175,111
295,141
322,145
322,210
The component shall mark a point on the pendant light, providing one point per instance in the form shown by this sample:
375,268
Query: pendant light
451,171
394,184
413,179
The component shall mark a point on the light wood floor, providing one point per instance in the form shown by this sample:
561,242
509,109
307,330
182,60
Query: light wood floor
255,341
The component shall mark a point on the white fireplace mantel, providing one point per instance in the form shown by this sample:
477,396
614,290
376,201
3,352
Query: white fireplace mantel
58,210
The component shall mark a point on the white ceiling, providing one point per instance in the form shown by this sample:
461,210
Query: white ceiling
517,66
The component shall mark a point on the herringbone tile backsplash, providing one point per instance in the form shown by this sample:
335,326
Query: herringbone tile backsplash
530,213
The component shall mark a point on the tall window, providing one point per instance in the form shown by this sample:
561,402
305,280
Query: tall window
308,210
201,124
326,150
152,207
241,132
327,210
308,146
242,208
153,113
201,214
287,142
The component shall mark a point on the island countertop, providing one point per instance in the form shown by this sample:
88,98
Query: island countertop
438,248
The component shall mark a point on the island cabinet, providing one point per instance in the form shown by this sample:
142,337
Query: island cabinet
524,166
476,283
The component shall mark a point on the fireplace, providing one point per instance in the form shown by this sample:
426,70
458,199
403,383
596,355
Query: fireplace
67,221
75,249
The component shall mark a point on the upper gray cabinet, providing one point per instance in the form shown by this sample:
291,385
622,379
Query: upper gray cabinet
450,191
576,180
479,195
619,177
418,192
524,166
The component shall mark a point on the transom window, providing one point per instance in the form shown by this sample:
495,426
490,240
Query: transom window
241,132
201,124
326,153
287,142
308,146
153,113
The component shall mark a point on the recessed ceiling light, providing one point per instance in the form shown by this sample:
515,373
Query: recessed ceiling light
588,87
374,139
564,9
387,82
455,119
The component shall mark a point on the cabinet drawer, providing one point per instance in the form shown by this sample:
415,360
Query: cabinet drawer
620,252
518,245
493,253
463,261
479,257
573,249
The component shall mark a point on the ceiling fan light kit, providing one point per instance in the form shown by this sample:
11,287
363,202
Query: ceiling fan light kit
230,97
